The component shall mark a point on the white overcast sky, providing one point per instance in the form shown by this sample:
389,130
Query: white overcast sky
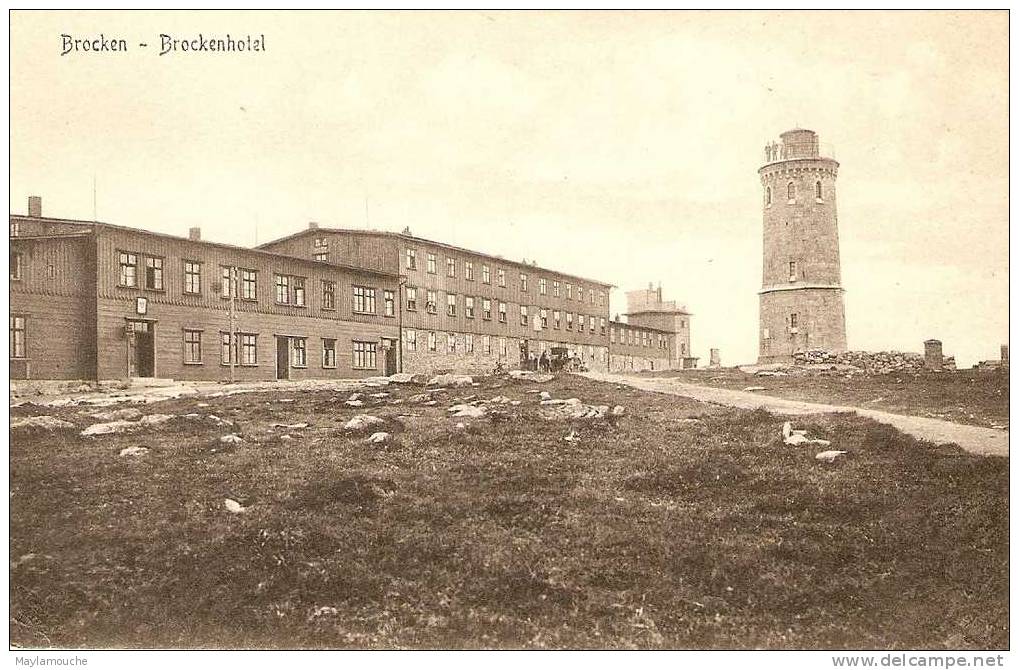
621,146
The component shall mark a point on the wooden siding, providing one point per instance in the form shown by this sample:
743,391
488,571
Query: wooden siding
170,320
59,310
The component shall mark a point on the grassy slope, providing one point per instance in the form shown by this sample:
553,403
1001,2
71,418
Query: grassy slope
649,532
966,396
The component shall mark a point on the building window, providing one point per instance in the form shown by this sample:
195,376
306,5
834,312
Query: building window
128,269
569,291
543,286
612,335
792,270
364,300
503,348
450,267
555,288
556,321
389,303
299,352
469,343
154,274
364,355
412,299
791,192
766,335
523,315
321,242
225,283
15,228
450,304
580,322
17,347
248,349
328,353
283,289
543,314
431,341
298,283
500,275
192,347
817,191
486,309
431,263
431,303
450,343
569,319
601,298
469,270
322,257
523,282
486,275
502,313
601,324
767,196
16,266
192,277
328,294
486,344
580,293
249,285
412,340
682,323
469,307
412,259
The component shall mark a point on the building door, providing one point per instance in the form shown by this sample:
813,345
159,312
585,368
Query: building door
282,357
389,350
525,361
141,349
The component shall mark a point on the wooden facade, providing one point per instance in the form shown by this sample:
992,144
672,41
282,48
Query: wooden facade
107,302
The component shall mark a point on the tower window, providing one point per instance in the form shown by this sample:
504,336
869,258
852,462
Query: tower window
817,191
791,192
792,270
793,323
767,196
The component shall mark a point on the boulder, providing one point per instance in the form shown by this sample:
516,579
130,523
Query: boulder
467,411
378,438
40,423
362,422
134,451
451,380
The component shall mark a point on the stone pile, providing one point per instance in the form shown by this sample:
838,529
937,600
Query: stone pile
870,362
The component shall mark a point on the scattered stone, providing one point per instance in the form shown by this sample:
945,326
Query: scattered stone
355,403
285,438
155,419
451,380
798,437
468,411
354,396
431,403
40,423
460,426
109,428
576,410
362,422
234,507
376,381
378,438
407,378
232,438
134,451
126,414
284,400
515,402
618,410
290,426
218,421
203,404
829,456
572,437
380,395
545,395
499,400
319,612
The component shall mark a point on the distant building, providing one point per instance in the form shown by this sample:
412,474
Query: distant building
801,305
655,335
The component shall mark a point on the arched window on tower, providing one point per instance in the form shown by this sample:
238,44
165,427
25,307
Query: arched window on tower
817,190
791,191
767,196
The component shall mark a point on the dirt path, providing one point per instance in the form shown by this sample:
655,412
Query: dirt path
975,439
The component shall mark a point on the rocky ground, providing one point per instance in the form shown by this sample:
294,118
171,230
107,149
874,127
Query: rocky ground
975,397
491,513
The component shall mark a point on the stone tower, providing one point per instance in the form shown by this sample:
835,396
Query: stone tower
801,292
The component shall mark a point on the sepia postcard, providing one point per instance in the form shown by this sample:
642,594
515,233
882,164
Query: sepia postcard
499,330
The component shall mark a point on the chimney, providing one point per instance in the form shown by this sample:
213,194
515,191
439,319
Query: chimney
194,234
312,225
34,206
